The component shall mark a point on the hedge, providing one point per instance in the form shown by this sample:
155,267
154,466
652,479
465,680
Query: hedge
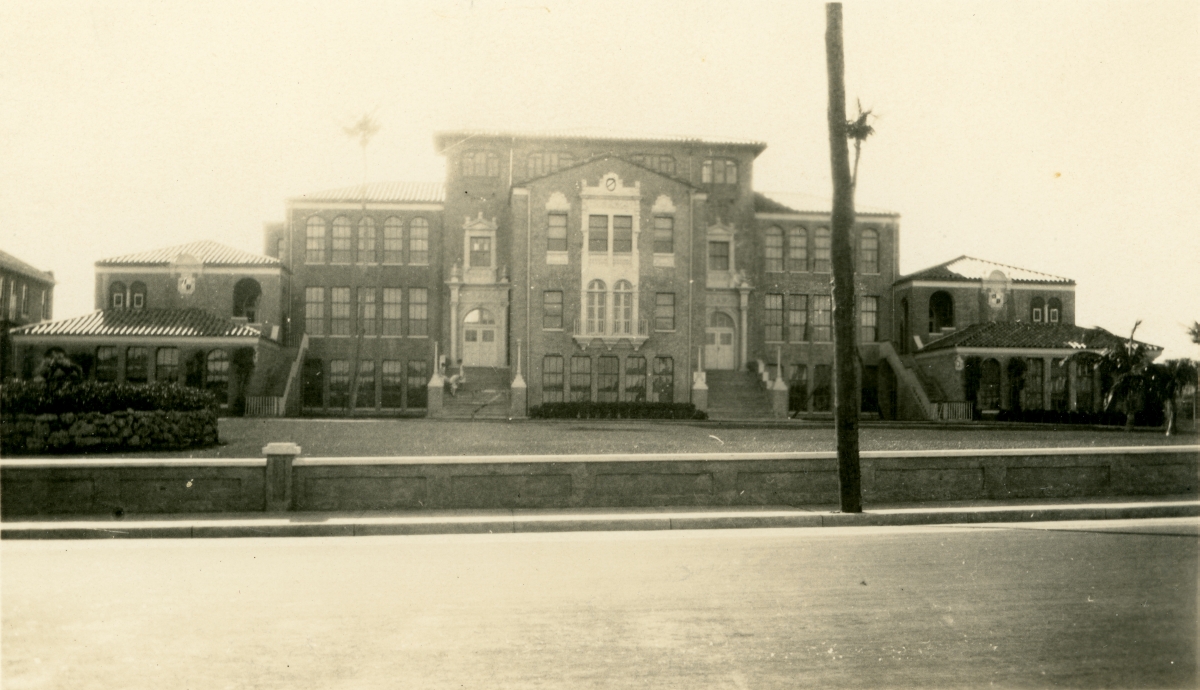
33,397
92,432
616,410
1150,418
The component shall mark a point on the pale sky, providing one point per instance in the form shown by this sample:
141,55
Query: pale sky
1055,136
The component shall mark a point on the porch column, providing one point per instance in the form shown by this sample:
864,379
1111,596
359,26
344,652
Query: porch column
1072,403
453,325
744,302
1047,362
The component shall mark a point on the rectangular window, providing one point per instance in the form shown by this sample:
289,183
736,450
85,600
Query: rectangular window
706,172
552,379
366,310
622,234
106,363
481,252
1051,310
339,382
664,235
556,233
664,379
635,379
581,379
1058,384
797,318
773,251
868,251
730,172
718,256
822,388
1031,393
392,384
24,300
552,310
366,384
366,241
1084,386
598,234
45,304
869,320
314,243
664,311
418,242
608,378
137,364
339,311
1037,314
773,319
822,318
166,365
393,241
418,382
342,242
314,310
418,311
798,388
392,311
821,251
797,247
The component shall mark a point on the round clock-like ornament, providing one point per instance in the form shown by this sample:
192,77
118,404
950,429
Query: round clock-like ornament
610,184
187,285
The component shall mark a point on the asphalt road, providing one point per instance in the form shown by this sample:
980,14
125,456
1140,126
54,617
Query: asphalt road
1099,604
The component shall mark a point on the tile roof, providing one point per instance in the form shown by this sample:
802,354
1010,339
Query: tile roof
1018,335
595,133
186,323
799,202
206,251
382,192
15,265
967,268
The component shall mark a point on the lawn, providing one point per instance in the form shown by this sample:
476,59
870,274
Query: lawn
242,438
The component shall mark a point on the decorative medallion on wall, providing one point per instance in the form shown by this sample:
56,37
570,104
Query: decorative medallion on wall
187,284
187,270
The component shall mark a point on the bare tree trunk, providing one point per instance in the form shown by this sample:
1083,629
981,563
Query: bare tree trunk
845,415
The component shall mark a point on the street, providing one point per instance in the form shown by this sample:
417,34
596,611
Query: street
1065,604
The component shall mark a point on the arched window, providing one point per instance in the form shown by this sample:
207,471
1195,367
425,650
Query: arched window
988,397
314,241
137,364
245,299
1037,309
720,319
480,317
868,252
773,250
116,295
366,241
216,375
623,307
137,295
418,241
596,297
821,251
941,311
1053,310
342,241
106,363
797,242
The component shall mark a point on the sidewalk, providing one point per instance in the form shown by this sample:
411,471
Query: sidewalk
585,519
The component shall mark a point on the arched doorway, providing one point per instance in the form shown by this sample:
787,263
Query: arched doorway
719,342
481,342
941,311
245,299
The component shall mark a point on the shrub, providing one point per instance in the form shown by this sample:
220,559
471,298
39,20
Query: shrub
617,410
33,397
1145,418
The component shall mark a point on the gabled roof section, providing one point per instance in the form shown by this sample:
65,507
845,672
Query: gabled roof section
799,202
207,252
187,323
15,265
605,157
970,269
382,192
1017,335
442,139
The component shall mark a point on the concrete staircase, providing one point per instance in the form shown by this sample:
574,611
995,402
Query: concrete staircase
737,395
484,395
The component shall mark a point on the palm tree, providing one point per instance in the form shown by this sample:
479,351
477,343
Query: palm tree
1133,378
1171,378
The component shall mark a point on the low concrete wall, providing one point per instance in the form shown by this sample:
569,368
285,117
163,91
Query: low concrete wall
729,479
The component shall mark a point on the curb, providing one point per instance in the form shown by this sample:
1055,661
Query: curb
529,522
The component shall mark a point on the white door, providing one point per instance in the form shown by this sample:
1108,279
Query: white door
481,342
718,342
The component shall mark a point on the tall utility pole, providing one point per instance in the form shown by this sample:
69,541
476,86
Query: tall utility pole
364,129
845,414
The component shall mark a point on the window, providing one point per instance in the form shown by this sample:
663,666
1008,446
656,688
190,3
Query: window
1031,393
662,164
480,164
581,379
366,310
774,318
822,387
718,171
797,241
365,384
552,310
622,234
314,310
341,241
45,303
598,233
1038,308
314,241
313,383
664,234
137,295
773,250
552,379
339,382
869,320
798,387
339,311
988,397
418,242
12,298
664,311
608,378
797,318
166,364
106,363
216,375
24,300
556,233
941,311
418,383
1053,310
116,298
137,364
392,384
718,256
392,311
418,311
595,306
1085,385
868,252
821,251
822,318
623,308
547,162
366,241
393,241
481,252
635,379
1058,384
664,379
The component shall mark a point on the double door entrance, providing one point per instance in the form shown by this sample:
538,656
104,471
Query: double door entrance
720,351
481,340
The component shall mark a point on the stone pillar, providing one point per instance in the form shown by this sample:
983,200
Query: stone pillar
744,303
277,479
434,392
699,390
518,391
779,398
